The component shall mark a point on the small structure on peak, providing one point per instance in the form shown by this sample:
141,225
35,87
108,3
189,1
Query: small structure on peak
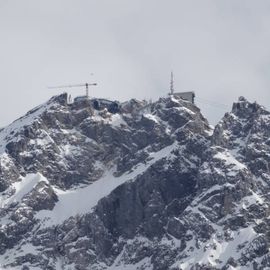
188,96
80,99
102,103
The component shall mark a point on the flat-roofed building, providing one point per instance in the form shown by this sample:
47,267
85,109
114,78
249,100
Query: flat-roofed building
188,96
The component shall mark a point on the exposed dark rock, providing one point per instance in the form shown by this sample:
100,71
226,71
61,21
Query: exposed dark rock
179,197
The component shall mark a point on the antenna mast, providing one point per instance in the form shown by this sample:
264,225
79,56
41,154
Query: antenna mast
172,84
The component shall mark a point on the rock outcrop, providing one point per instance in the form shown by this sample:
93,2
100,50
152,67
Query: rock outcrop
140,186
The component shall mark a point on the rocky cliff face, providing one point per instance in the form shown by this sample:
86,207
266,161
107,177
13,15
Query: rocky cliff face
101,185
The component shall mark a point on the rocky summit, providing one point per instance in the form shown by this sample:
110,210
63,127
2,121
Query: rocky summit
103,185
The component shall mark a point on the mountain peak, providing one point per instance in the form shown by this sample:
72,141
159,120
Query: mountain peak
61,99
102,184
245,109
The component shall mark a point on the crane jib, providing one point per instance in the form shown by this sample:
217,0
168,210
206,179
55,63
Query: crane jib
86,85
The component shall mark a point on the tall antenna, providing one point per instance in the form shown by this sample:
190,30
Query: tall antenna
172,84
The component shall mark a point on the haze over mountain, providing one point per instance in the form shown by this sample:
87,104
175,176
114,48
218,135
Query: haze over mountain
219,49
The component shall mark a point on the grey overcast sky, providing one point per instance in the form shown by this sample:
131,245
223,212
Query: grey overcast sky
218,48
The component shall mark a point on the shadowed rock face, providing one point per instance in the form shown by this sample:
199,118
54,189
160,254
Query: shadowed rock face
147,186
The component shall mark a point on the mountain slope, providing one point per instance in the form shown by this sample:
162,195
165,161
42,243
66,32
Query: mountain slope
101,185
